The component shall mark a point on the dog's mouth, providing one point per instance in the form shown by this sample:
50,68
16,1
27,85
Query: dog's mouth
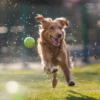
56,41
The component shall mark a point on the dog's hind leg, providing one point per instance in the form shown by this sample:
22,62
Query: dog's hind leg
67,73
54,80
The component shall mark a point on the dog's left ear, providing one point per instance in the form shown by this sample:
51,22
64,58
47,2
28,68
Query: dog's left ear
63,21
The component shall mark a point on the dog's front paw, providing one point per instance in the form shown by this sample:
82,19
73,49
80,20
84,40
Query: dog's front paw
54,69
71,83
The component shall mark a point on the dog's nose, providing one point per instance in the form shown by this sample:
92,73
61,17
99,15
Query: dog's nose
59,35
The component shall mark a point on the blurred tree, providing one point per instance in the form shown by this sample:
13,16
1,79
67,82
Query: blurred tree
25,23
85,31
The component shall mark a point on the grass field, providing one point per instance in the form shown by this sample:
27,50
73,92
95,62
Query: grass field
37,85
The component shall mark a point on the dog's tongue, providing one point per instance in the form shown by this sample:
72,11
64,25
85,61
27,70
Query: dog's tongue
56,41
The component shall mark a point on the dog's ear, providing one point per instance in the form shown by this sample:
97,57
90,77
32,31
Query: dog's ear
63,21
41,19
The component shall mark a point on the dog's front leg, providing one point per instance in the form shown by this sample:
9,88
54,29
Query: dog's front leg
49,67
46,57
66,70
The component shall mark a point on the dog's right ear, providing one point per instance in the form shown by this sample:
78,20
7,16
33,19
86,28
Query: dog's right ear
41,19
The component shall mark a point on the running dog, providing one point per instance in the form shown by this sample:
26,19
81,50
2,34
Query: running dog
53,49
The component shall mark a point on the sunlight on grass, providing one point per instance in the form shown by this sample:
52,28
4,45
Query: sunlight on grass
38,85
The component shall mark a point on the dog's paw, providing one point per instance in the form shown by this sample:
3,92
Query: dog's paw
54,69
71,83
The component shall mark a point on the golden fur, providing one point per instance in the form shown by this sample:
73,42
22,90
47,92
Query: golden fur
52,48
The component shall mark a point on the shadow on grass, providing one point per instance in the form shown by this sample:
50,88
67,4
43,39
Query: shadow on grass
82,97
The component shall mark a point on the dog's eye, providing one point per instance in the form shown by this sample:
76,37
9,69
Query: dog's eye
60,28
51,28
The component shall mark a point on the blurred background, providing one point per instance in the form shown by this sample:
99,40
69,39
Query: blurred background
17,21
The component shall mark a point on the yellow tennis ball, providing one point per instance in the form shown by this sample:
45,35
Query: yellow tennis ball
29,42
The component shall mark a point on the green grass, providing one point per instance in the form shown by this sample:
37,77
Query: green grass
37,85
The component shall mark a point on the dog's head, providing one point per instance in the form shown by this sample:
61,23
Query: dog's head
53,30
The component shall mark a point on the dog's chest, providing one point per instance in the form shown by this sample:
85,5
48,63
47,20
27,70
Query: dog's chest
59,58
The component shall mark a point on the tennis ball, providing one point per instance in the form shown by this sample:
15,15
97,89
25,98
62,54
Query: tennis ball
29,42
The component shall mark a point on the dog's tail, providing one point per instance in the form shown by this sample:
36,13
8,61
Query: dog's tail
71,64
97,58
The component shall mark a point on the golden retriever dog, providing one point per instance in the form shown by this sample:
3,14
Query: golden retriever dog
52,48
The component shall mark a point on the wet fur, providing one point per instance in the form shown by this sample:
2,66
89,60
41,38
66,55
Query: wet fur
51,55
